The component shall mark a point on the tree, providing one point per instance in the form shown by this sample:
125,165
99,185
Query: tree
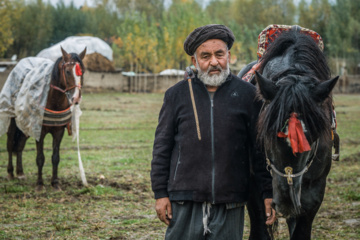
263,12
66,21
315,15
182,17
220,10
343,33
152,8
101,21
6,37
32,29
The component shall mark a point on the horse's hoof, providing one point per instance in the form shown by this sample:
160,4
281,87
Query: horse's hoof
10,177
39,188
57,188
335,157
21,177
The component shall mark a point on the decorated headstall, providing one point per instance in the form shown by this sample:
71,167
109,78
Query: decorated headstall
77,73
299,144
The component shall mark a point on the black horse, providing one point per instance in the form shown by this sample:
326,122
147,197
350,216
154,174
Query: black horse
295,127
65,90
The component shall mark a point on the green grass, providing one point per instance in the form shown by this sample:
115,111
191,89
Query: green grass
116,136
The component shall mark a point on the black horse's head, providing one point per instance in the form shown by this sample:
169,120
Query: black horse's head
296,87
67,75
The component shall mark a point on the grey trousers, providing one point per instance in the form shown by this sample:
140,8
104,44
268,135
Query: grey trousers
187,222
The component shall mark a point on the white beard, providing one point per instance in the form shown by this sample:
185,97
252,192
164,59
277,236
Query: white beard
214,80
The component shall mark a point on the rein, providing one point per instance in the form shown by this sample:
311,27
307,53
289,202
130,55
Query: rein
289,170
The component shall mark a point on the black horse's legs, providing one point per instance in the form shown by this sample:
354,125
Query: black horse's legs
16,141
57,137
21,141
256,210
291,222
10,145
40,159
302,228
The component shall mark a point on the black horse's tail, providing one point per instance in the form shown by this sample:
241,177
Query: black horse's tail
15,137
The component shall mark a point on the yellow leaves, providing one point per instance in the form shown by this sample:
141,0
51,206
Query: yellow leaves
6,38
117,41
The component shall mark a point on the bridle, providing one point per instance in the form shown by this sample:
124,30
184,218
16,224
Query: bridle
289,175
289,170
65,91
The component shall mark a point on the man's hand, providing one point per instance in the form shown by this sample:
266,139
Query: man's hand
270,212
163,210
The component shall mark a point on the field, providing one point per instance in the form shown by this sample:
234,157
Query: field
116,137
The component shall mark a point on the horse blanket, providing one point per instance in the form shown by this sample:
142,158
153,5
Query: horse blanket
269,34
24,96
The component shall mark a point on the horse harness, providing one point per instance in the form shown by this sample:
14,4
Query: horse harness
289,170
78,73
289,175
63,117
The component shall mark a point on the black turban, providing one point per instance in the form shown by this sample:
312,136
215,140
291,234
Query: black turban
204,33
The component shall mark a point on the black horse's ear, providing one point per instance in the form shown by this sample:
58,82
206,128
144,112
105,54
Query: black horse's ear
267,87
65,55
323,90
82,54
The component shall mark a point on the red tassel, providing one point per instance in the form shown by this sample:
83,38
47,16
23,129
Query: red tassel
78,71
296,135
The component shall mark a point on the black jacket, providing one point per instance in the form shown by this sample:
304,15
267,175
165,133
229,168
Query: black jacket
216,168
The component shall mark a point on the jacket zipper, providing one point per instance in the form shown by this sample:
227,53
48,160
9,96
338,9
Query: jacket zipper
212,141
177,164
212,145
212,149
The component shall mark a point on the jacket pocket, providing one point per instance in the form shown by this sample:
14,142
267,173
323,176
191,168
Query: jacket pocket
177,163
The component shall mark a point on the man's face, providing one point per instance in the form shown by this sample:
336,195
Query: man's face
212,61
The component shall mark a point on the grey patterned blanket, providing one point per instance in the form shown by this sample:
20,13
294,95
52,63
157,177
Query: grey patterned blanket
24,95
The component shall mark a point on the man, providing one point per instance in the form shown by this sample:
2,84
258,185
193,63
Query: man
204,146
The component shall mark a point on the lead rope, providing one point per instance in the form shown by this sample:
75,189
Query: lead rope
76,118
206,214
195,111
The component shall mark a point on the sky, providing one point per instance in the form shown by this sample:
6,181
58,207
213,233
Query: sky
90,3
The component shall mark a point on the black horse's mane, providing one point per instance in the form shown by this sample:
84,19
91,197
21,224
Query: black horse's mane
307,68
55,74
307,58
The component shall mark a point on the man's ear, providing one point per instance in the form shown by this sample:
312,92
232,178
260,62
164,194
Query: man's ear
193,60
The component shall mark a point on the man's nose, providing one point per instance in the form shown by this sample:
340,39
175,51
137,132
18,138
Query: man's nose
213,61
